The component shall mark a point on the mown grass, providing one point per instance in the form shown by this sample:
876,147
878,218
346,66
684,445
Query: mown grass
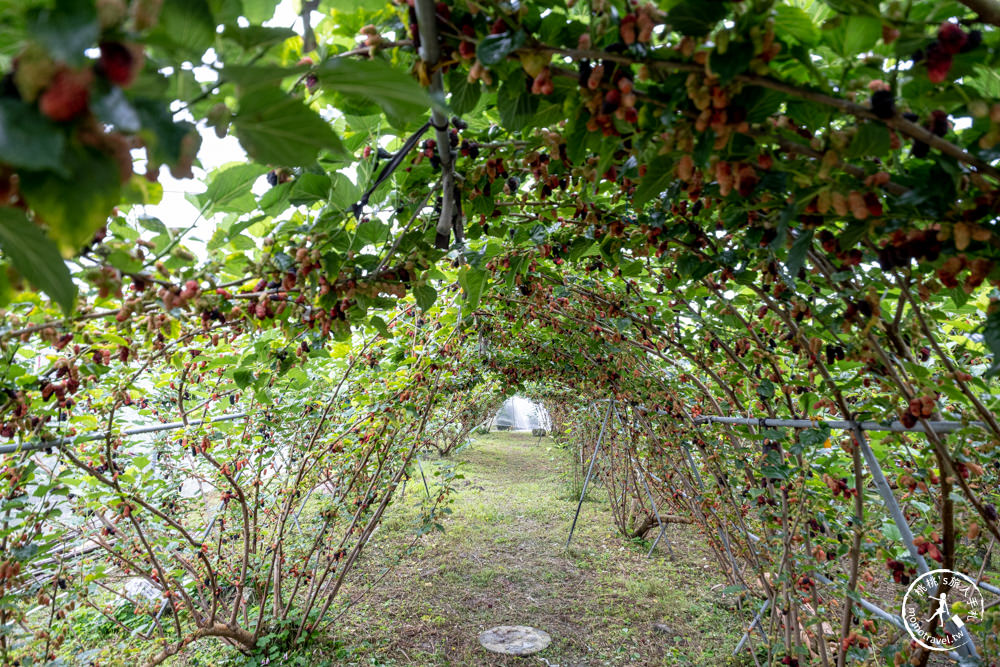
501,560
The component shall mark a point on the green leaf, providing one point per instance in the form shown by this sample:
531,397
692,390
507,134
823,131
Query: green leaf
425,296
185,26
154,225
163,137
514,270
263,396
344,194
243,377
114,109
380,326
252,76
762,103
986,81
581,247
797,254
691,266
310,188
576,137
67,30
229,189
871,140
775,471
258,11
464,95
278,129
765,389
255,36
275,199
27,138
695,17
36,257
369,232
123,261
810,114
735,60
516,107
814,437
795,23
855,35
495,48
659,174
76,205
472,281
24,552
227,11
991,334
398,94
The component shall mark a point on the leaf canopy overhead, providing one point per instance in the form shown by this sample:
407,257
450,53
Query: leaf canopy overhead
786,209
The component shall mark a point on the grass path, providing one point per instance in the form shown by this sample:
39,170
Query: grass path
501,560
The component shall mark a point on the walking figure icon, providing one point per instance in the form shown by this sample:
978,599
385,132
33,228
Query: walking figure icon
942,610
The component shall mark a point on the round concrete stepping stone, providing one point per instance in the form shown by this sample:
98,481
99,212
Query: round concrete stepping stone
514,640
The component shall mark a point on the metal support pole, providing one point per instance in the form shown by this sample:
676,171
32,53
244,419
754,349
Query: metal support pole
895,427
877,611
590,471
694,468
885,491
656,513
430,52
663,532
989,587
844,425
295,517
421,468
701,487
97,435
753,624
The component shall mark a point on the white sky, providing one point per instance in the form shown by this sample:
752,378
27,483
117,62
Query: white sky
174,210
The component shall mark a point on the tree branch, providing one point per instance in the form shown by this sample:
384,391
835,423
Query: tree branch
988,10
308,34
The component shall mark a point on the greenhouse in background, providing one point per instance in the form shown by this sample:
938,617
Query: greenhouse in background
520,414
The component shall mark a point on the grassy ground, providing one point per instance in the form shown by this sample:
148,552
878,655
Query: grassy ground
502,561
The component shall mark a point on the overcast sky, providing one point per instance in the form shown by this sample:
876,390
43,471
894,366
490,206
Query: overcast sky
174,210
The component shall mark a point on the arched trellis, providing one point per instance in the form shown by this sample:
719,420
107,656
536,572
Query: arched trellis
553,313
869,606
875,470
833,226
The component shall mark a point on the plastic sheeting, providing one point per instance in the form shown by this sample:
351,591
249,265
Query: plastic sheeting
520,414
